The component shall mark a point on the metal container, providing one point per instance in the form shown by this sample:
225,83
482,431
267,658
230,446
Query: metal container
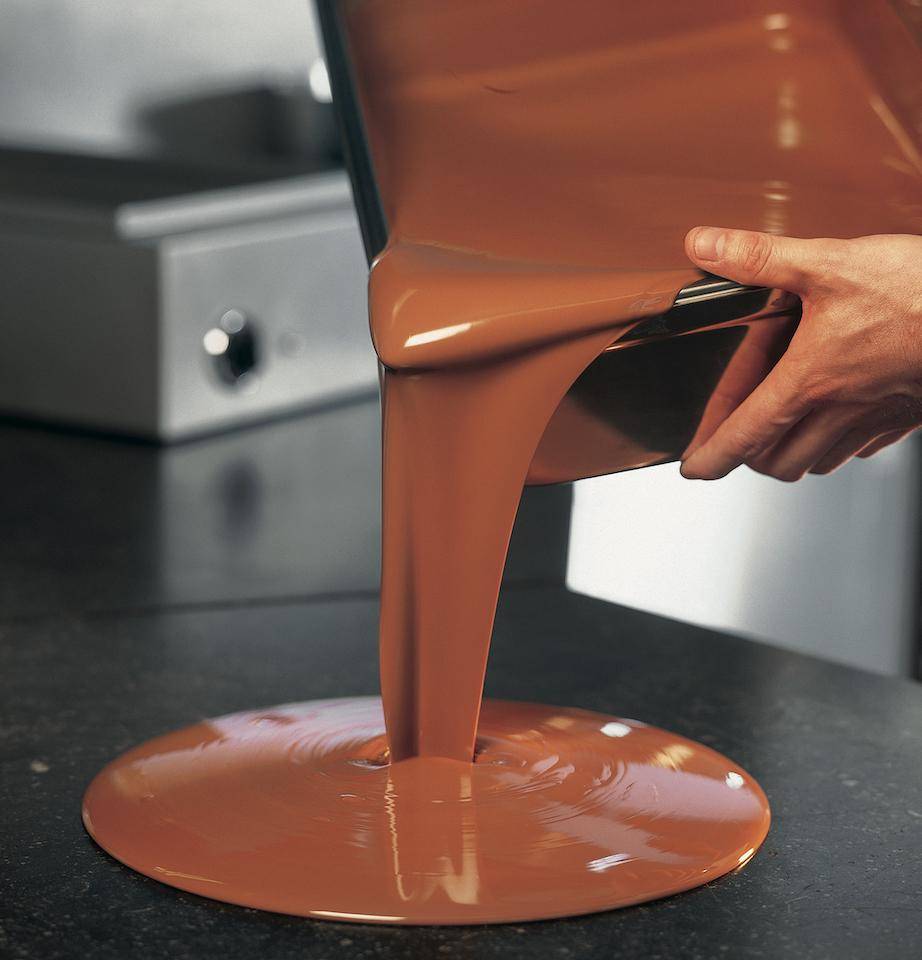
644,399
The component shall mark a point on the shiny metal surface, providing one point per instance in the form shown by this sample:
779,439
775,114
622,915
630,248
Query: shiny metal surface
669,378
146,259
708,289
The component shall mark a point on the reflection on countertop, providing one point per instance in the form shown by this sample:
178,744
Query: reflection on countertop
287,509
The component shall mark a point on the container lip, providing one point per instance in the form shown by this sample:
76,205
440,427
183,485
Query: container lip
710,288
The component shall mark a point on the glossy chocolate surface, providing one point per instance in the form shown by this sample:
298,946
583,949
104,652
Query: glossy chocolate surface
538,165
564,811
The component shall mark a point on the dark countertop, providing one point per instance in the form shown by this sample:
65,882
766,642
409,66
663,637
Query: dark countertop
110,633
280,511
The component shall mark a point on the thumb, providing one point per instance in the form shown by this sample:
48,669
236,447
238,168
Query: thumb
756,259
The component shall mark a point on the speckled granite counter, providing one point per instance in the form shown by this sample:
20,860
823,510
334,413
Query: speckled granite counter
836,750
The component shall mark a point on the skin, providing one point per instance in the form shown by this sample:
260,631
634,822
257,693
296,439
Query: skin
850,382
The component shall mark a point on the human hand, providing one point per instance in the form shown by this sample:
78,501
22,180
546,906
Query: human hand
850,382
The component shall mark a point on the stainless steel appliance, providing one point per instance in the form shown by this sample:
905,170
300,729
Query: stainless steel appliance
165,300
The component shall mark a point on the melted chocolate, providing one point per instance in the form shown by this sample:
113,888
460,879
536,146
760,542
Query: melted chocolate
538,164
296,810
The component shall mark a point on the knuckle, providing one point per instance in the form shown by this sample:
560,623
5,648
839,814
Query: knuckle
814,391
804,382
747,444
785,414
831,259
754,253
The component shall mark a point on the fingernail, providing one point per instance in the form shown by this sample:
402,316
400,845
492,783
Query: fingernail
709,243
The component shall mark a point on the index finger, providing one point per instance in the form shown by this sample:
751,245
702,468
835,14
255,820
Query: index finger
759,422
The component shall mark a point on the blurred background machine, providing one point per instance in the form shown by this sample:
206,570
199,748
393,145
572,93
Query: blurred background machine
161,301
178,255
187,265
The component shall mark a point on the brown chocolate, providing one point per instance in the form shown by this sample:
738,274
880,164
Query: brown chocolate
539,163
295,810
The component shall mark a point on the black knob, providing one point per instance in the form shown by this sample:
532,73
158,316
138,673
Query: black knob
233,349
